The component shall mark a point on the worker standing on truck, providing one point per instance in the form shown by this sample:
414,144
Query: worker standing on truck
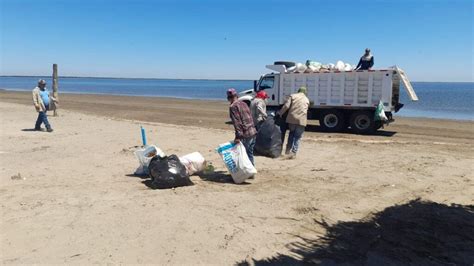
366,62
297,106
241,117
258,107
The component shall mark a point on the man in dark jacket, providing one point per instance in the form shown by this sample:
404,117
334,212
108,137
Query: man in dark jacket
366,62
242,120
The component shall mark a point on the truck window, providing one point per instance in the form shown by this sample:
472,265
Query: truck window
266,83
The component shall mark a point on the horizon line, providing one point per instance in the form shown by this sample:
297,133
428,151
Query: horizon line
36,76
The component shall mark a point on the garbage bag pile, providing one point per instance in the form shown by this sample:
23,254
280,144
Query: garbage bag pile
313,66
268,141
168,171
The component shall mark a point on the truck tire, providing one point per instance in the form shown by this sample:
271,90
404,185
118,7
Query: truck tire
362,122
287,64
331,121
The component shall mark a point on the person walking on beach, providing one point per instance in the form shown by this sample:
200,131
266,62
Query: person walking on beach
258,107
366,62
42,100
241,117
297,107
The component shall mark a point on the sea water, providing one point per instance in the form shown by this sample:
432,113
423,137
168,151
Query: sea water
448,100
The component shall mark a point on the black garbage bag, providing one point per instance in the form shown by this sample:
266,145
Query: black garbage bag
168,172
268,141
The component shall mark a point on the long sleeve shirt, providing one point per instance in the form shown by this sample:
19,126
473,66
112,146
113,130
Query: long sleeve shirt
259,110
365,63
242,120
297,106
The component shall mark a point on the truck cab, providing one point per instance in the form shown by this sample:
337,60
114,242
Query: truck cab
269,83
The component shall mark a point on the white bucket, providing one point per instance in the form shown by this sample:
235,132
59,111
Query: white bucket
145,155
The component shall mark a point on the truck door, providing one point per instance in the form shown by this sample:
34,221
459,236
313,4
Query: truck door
270,85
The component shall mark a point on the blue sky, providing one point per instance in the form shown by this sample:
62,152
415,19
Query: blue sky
431,40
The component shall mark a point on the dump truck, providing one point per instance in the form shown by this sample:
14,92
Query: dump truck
338,99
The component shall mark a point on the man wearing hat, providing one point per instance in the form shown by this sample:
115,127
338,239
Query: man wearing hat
297,106
42,100
241,117
258,107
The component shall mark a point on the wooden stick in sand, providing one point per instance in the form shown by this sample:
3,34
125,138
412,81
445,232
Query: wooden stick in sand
55,88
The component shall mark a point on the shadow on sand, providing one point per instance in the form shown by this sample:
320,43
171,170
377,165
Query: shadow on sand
415,233
382,133
219,177
138,176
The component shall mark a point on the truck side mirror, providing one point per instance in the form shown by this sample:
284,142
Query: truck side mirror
254,85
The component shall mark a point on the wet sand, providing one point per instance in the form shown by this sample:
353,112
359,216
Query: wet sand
213,114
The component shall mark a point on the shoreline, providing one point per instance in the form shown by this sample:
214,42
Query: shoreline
214,115
78,77
86,77
79,94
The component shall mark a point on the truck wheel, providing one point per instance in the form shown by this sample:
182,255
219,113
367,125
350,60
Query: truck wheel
362,122
331,121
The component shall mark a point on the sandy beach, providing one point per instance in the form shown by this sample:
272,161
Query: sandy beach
76,200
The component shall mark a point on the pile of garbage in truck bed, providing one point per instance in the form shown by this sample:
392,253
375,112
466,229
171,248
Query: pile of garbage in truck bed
313,66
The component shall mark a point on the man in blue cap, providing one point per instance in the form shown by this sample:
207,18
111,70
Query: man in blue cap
42,100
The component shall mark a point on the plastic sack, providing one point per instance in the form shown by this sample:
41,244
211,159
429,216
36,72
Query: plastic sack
268,141
313,66
300,68
144,156
339,66
237,162
194,162
168,172
380,113
347,67
312,63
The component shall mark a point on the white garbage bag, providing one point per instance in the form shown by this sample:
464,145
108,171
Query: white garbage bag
339,66
194,162
236,160
313,65
348,67
300,68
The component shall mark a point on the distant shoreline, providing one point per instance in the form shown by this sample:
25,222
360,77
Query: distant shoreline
134,78
79,77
